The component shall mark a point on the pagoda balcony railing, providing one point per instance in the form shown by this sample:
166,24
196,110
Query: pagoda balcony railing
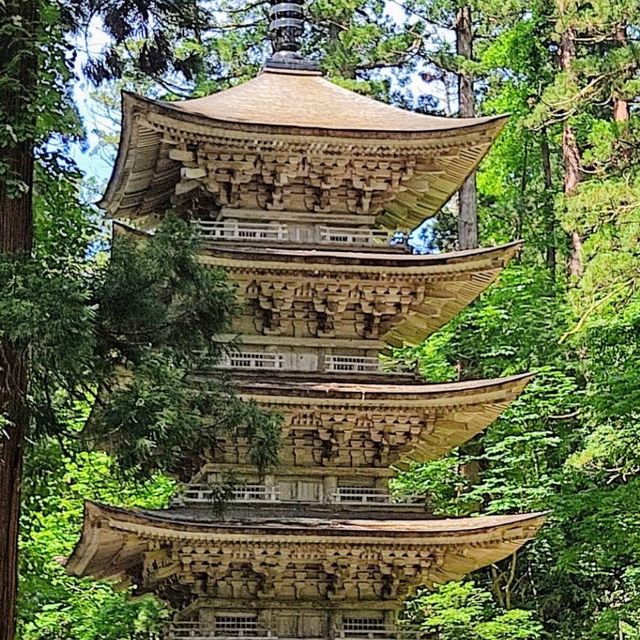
352,236
380,633
204,494
188,630
232,230
195,630
280,232
361,364
370,495
249,493
253,360
303,362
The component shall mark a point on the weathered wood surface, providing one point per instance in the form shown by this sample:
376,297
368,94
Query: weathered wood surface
400,176
357,560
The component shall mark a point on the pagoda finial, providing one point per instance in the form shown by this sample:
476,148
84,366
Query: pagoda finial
286,27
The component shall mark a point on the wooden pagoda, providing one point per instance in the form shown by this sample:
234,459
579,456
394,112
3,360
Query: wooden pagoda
297,186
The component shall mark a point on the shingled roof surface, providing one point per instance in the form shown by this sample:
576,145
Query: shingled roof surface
289,111
307,100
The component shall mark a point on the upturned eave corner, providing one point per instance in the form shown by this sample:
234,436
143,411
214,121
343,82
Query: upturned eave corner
83,551
420,324
406,422
123,154
163,125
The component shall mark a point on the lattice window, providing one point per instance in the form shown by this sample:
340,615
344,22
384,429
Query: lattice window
362,625
236,625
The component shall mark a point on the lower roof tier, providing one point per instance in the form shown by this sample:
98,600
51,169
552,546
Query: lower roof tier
315,293
292,558
375,425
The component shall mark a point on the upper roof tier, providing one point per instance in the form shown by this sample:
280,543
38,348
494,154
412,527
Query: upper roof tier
307,101
360,156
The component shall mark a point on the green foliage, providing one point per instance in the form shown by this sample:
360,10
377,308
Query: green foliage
463,611
128,335
54,605
440,482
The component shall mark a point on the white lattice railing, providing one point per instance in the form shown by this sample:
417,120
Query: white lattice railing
302,362
202,493
280,232
352,236
364,364
253,360
370,495
247,493
232,230
206,631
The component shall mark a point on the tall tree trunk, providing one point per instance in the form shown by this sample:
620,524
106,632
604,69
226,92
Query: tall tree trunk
572,177
549,211
620,105
467,199
570,150
17,61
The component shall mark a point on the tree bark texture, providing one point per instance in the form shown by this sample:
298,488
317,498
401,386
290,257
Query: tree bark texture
570,151
549,210
18,60
467,197
572,178
620,105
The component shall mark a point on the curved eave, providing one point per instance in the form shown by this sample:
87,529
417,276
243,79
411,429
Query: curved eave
434,394
467,274
447,131
461,410
143,176
114,540
355,261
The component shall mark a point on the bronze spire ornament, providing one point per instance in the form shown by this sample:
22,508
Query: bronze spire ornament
286,27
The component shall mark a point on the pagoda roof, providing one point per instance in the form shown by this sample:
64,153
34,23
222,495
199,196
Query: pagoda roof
400,262
439,393
307,102
458,410
284,110
115,541
465,274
